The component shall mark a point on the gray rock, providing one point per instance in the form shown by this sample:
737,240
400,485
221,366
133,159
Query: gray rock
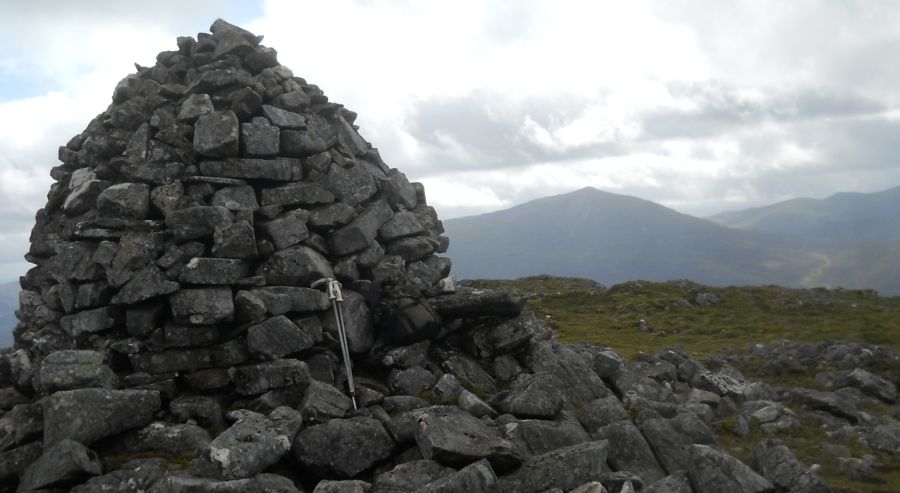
236,240
713,470
276,169
260,140
331,216
22,424
135,476
629,451
87,415
84,197
295,266
348,138
669,437
591,487
476,477
778,464
469,304
172,360
287,229
535,396
412,249
536,436
90,321
473,405
202,306
398,190
403,224
195,106
261,483
259,378
506,336
720,383
295,100
276,337
455,438
284,119
204,410
281,299
198,222
410,381
830,402
361,231
217,134
856,468
343,447
322,402
304,194
147,283
565,468
14,462
575,378
253,443
296,143
239,198
345,486
357,323
411,476
178,336
125,201
601,412
675,483
873,385
204,270
71,369
885,438
166,439
64,464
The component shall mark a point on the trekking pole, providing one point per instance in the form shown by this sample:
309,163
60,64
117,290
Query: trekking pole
334,294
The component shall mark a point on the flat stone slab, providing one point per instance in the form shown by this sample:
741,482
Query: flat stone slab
87,415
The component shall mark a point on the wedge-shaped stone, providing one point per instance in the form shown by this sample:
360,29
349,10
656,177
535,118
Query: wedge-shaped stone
565,468
284,119
361,232
239,198
477,477
276,337
455,438
87,415
125,200
711,469
91,321
146,283
629,451
64,464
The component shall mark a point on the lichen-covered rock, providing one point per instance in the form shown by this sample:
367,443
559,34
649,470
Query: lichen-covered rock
779,465
72,369
711,469
87,415
455,438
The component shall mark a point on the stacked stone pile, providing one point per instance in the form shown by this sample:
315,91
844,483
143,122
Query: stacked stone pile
169,339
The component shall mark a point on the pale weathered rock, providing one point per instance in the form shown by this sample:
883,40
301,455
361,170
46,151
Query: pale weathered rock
456,438
253,443
713,470
71,369
565,468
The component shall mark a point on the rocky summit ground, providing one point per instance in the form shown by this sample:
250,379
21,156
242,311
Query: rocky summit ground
819,368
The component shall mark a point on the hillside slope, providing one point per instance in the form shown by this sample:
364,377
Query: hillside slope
612,238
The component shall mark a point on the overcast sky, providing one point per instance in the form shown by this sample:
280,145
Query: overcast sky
702,106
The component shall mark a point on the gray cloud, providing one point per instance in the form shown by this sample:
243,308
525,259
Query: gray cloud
717,109
483,130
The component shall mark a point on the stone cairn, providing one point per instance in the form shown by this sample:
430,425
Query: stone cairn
169,340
